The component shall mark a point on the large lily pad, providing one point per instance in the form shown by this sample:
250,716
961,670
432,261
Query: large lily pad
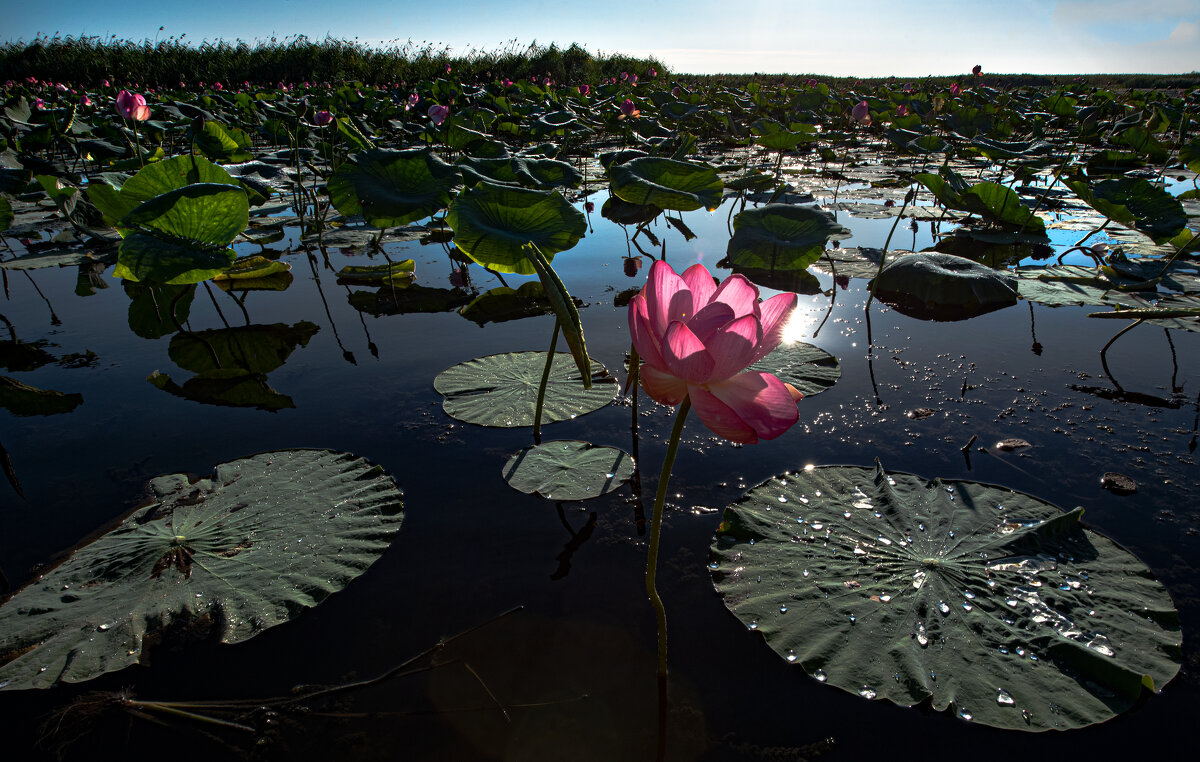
390,188
155,180
501,390
934,286
666,183
964,594
493,223
1135,203
781,236
809,368
568,470
224,558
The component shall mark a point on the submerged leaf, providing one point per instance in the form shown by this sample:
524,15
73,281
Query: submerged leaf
568,470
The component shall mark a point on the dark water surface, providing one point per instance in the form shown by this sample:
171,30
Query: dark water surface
575,666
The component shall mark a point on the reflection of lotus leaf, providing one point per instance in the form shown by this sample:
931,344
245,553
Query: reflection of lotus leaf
223,559
781,236
943,287
968,595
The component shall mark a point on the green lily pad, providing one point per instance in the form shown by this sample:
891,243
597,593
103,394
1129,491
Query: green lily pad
810,369
1135,203
223,558
568,470
1060,285
994,202
155,180
492,223
965,594
501,304
393,274
25,400
781,236
934,286
666,183
183,235
253,267
501,390
390,188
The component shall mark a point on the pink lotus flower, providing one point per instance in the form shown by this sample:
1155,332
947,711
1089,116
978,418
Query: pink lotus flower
628,109
861,113
954,89
696,339
60,87
322,118
105,83
624,76
901,110
413,98
811,82
653,73
132,106
438,113
677,91
39,104
84,100
977,70
447,68
585,89
218,86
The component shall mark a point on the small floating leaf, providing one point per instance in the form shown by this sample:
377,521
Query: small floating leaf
568,470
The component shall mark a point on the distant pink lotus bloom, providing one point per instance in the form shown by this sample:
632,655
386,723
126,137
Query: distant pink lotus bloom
589,207
60,87
677,91
39,104
811,82
977,70
546,82
246,83
447,68
31,80
696,340
585,89
322,118
954,89
628,109
413,98
438,113
901,110
84,100
506,82
653,73
861,113
132,106
908,88
105,83
218,86
633,79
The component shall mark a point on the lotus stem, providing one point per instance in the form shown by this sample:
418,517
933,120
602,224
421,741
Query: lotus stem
660,613
541,398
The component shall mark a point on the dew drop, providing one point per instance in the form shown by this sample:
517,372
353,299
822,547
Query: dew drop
782,499
1003,649
783,608
867,692
819,674
967,607
853,619
791,655
1003,698
922,635
964,714
805,572
753,624
714,565
969,594
943,607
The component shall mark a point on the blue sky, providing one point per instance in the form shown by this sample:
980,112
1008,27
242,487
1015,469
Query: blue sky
845,38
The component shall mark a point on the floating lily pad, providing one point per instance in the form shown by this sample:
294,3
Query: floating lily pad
223,558
1059,285
781,236
666,183
933,286
22,399
493,223
964,594
810,369
501,390
390,188
1135,203
568,470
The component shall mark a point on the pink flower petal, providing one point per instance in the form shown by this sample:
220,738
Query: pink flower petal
644,339
720,418
705,322
662,387
774,315
700,282
664,302
733,347
686,356
759,399
738,293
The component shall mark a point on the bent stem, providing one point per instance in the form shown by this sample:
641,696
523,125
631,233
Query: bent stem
660,613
